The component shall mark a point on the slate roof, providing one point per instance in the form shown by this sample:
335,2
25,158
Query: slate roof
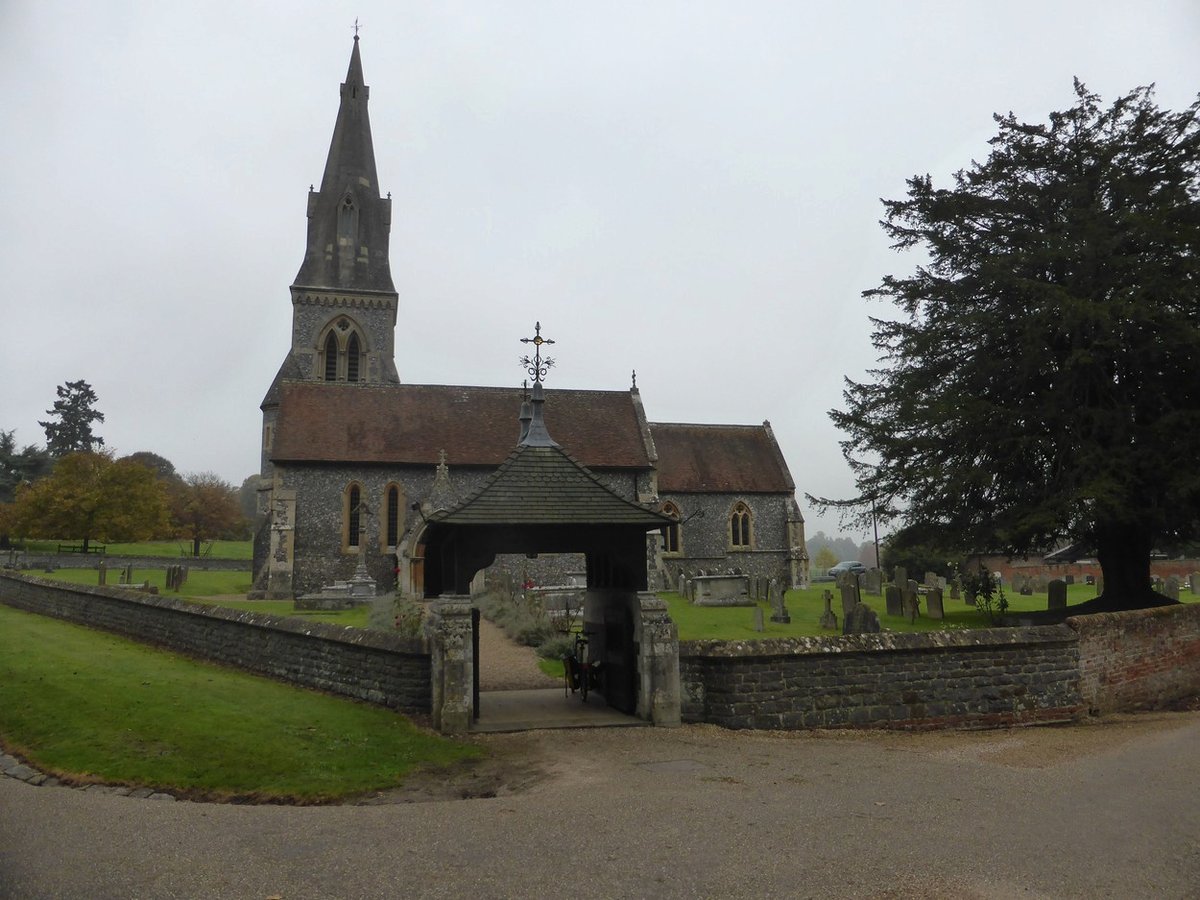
539,485
476,426
742,459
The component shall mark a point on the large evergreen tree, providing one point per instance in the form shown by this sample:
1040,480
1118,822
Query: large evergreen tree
1043,382
69,430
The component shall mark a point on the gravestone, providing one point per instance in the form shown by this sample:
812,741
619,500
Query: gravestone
900,577
894,600
955,590
828,619
1069,579
873,582
931,579
758,618
1057,594
849,594
912,600
1026,591
861,620
1041,584
103,576
1089,579
1194,582
779,612
933,604
683,592
1019,582
1172,588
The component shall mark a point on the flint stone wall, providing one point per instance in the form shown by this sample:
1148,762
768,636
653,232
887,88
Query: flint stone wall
372,666
987,678
1144,659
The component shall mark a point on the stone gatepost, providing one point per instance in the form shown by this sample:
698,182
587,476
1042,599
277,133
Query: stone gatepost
658,662
448,630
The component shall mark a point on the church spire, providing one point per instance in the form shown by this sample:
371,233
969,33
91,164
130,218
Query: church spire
348,222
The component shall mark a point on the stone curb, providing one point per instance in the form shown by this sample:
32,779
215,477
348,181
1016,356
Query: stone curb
14,768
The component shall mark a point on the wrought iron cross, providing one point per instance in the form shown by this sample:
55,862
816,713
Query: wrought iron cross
356,27
537,367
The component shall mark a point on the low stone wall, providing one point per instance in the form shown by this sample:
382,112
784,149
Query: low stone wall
986,678
372,666
1147,659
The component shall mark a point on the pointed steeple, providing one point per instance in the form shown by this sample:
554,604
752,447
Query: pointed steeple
348,222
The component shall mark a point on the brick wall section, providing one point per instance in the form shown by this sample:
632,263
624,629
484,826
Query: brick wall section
986,678
1147,659
366,665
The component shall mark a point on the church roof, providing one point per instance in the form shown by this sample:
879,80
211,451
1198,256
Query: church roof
476,426
543,485
742,459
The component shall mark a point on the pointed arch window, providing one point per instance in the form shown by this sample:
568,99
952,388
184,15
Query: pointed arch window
351,517
672,534
331,357
352,357
740,527
347,221
393,518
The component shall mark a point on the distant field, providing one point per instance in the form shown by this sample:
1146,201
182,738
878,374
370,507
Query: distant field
173,549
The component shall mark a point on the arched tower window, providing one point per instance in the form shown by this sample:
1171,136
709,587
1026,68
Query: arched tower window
672,537
331,357
347,221
352,357
740,534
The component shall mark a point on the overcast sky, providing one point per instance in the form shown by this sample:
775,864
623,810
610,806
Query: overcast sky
690,190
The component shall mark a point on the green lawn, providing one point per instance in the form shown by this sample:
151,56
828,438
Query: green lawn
91,706
805,608
200,583
176,551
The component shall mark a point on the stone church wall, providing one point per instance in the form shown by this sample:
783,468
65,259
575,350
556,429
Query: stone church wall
705,539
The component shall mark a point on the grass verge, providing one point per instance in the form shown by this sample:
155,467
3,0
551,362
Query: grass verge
176,551
88,706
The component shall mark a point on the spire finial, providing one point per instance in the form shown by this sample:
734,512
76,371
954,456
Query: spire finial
634,387
537,367
356,27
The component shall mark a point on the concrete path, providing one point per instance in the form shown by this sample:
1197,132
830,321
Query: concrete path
1106,810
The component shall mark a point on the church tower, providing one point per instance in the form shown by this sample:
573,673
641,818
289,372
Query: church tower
343,301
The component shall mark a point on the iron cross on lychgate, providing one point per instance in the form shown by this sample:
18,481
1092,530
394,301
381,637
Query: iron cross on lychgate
537,367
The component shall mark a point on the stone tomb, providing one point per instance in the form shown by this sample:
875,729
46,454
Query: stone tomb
721,590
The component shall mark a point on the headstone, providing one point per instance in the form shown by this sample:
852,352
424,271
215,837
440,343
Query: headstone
1194,582
1069,579
955,590
1026,590
861,620
779,613
894,600
1089,579
933,604
873,582
103,573
682,585
758,618
900,577
828,619
912,600
1057,594
1041,584
849,594
1019,582
931,579
1172,588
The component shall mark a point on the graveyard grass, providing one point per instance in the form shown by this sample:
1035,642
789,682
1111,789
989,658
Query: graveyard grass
806,606
89,706
177,551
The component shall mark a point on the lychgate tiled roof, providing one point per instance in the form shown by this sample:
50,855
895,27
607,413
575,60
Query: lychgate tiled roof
719,459
476,426
545,486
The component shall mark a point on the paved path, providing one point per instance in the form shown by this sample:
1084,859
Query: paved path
1106,810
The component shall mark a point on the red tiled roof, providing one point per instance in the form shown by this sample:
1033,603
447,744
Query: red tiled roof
476,426
719,459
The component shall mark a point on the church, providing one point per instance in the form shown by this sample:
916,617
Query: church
356,463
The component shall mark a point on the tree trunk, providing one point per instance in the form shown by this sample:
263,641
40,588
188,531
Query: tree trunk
85,545
196,546
1123,552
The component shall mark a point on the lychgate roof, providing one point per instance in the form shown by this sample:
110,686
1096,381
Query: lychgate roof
719,459
476,426
539,485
